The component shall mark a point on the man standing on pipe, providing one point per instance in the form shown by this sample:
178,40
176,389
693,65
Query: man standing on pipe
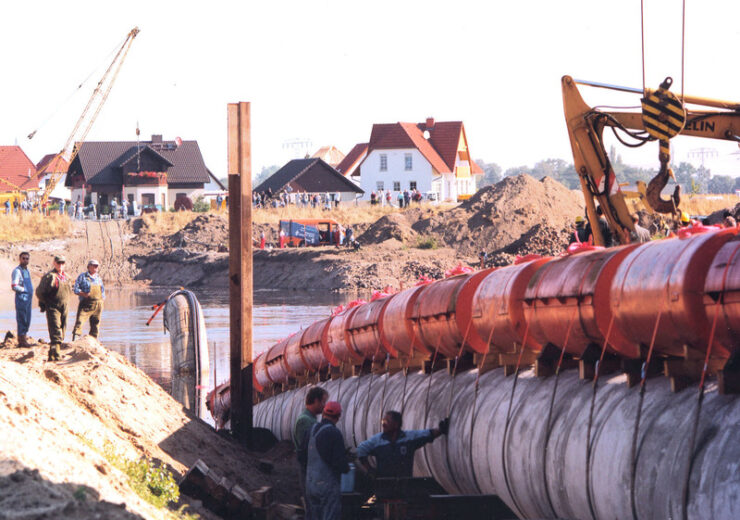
316,399
394,448
327,460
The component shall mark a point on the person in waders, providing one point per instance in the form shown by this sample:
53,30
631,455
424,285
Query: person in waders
53,294
89,287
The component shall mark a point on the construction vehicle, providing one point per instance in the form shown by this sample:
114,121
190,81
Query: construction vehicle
310,232
663,116
86,119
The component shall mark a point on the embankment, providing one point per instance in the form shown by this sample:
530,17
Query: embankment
60,423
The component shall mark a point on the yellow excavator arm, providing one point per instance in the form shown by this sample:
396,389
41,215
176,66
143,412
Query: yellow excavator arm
585,129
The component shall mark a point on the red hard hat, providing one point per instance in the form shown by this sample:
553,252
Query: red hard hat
332,408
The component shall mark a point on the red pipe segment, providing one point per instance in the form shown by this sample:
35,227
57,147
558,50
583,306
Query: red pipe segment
722,298
662,282
365,330
312,347
567,302
677,284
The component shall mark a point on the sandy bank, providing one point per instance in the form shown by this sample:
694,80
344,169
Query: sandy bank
58,419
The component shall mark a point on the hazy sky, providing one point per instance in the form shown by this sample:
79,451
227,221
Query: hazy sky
327,70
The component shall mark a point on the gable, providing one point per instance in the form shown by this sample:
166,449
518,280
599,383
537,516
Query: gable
310,175
15,167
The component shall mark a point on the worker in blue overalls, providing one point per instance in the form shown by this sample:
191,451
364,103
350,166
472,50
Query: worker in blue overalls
394,448
327,460
23,288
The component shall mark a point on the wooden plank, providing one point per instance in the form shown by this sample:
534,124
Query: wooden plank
240,268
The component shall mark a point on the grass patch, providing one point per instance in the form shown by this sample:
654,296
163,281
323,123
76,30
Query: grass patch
33,226
166,223
153,482
426,242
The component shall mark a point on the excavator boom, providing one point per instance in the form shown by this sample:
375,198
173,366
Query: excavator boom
598,181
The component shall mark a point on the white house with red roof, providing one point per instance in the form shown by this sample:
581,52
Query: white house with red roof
432,157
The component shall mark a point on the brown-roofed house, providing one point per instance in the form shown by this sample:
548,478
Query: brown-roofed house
352,160
16,169
150,173
329,154
310,176
430,156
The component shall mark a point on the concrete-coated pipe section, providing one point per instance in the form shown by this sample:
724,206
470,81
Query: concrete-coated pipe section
546,472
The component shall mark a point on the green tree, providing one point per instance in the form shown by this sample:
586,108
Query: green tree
517,170
721,184
492,173
264,174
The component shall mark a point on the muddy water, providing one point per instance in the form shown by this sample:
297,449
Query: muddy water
123,326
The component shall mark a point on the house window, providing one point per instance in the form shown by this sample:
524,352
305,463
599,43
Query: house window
396,185
408,162
383,162
379,186
147,199
412,185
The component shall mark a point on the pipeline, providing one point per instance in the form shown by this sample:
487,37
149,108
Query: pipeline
594,447
661,458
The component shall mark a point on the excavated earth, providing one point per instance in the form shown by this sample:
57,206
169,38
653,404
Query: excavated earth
58,422
518,216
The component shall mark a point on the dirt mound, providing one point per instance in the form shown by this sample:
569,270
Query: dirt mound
395,225
499,215
207,232
60,421
718,217
540,240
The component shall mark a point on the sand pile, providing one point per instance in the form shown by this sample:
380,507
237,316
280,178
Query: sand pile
206,232
56,420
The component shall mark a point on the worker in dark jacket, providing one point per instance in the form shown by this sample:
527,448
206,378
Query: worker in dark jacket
327,460
606,232
316,399
53,293
394,448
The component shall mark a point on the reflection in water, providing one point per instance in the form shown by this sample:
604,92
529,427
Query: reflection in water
123,325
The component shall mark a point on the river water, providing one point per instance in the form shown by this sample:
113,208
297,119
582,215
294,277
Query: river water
123,326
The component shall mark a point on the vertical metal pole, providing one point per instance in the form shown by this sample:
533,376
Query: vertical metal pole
240,269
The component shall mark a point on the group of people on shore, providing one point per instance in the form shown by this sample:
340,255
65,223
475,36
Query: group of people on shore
402,200
323,458
53,294
300,199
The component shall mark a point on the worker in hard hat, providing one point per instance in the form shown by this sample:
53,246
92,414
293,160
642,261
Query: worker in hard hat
580,234
394,448
327,460
89,287
685,219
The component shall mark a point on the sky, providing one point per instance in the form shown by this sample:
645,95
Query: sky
325,71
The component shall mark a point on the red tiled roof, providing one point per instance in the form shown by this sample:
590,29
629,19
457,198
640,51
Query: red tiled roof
352,159
15,167
59,165
440,149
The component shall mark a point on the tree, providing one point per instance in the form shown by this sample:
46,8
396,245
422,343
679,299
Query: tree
721,184
558,169
264,174
517,170
492,173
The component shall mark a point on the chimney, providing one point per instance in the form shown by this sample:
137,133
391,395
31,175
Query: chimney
156,138
430,123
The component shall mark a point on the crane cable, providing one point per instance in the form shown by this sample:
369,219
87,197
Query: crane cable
683,45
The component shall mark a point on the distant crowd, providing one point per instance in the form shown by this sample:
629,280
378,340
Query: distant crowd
301,199
402,200
76,210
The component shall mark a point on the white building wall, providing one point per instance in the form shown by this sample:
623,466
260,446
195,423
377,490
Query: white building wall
160,195
193,193
370,173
